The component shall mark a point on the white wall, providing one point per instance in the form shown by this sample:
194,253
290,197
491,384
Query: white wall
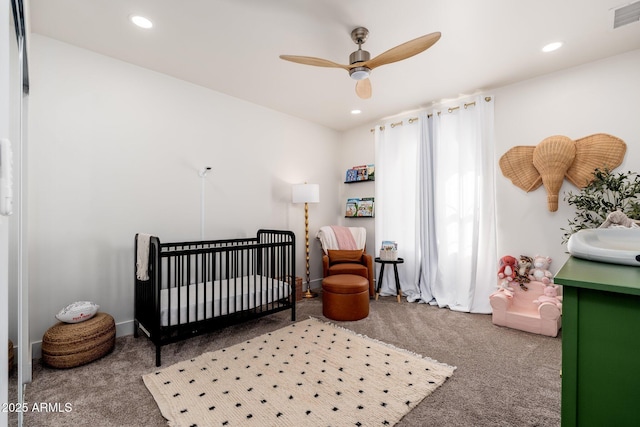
357,148
115,149
600,97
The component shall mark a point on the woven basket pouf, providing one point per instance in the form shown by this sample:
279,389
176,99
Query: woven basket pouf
67,345
10,355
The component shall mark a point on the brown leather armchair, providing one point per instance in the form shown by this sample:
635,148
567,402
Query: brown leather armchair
349,262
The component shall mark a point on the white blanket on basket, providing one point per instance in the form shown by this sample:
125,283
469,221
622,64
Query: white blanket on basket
328,238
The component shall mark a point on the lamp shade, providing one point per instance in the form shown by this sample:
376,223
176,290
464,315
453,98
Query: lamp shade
305,193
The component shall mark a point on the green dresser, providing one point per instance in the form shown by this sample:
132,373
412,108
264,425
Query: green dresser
600,344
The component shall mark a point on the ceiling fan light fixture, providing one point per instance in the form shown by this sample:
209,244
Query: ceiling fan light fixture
359,56
359,73
360,62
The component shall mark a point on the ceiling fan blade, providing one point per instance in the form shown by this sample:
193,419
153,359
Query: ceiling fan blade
309,60
403,51
363,88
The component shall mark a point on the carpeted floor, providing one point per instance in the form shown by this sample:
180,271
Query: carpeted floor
504,377
309,373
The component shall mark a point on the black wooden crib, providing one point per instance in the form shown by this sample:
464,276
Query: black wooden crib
191,288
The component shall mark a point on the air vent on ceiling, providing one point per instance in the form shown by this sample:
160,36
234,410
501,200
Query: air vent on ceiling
626,14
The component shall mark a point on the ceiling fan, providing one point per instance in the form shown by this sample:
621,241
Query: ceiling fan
360,64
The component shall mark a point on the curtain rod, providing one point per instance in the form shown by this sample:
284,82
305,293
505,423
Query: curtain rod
449,110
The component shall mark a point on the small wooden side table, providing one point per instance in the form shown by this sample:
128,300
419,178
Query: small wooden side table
395,272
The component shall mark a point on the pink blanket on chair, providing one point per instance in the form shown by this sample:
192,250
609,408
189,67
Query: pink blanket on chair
344,237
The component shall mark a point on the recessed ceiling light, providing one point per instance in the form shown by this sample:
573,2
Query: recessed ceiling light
356,111
141,21
552,46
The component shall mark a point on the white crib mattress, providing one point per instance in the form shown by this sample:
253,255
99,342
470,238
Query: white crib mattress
251,292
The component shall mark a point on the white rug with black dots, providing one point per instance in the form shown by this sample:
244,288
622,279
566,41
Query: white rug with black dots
310,373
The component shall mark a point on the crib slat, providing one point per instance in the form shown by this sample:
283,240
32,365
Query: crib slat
196,287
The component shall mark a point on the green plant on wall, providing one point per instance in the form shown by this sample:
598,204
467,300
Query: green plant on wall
606,193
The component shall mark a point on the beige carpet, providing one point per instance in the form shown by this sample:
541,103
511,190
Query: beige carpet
309,373
503,377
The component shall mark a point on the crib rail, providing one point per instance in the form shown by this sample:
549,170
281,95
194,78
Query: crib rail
194,287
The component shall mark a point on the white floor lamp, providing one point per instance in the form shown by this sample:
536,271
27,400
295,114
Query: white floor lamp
202,174
306,193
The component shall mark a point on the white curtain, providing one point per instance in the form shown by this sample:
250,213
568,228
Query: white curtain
426,211
454,223
397,145
462,167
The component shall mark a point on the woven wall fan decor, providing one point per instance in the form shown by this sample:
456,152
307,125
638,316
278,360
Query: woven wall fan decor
558,157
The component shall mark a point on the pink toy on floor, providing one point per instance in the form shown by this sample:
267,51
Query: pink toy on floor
550,295
540,270
516,309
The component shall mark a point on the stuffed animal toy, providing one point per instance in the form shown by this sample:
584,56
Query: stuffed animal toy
507,273
508,265
524,266
618,219
540,271
550,295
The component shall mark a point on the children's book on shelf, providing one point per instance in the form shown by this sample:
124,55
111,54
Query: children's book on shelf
352,175
371,172
360,173
352,207
365,208
360,207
